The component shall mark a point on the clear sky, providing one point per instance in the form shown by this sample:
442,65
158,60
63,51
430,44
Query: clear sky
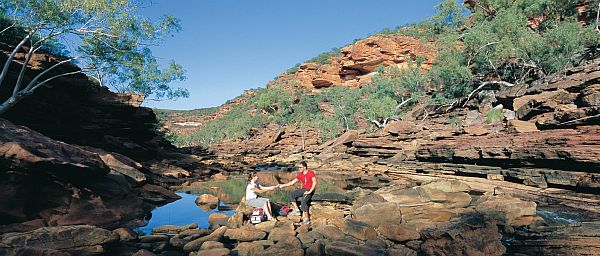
228,46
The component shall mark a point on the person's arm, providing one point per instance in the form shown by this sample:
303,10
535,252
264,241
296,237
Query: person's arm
269,188
289,183
263,189
314,186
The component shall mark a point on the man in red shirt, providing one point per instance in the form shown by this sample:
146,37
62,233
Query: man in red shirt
304,194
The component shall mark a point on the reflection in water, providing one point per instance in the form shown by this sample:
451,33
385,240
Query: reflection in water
182,212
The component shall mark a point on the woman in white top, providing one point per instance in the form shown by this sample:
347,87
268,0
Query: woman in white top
252,198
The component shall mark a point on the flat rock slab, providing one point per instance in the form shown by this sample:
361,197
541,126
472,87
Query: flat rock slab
244,235
59,238
172,229
348,249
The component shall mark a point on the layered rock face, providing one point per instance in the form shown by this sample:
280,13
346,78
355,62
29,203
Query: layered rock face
73,110
547,136
76,153
359,61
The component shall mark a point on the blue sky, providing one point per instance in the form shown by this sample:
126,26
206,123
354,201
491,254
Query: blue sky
230,46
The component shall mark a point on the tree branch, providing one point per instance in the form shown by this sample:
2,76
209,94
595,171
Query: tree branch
15,98
598,19
481,86
51,78
379,125
403,103
7,28
23,68
12,56
479,50
33,82
96,31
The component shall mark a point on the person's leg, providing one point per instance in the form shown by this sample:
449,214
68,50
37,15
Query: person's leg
294,196
267,209
304,204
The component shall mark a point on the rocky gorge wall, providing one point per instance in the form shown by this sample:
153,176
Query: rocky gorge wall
76,153
357,63
547,136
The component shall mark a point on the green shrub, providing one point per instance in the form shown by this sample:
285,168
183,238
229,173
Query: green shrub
293,69
494,116
235,188
274,99
451,76
453,120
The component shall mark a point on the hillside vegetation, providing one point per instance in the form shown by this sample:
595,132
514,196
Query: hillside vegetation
493,42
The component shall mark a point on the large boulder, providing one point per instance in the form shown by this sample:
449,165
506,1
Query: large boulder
367,199
448,186
211,245
196,244
508,210
211,252
468,235
236,220
121,164
289,247
247,249
328,232
244,235
24,149
399,232
208,200
355,229
449,193
375,214
173,229
217,219
319,211
348,249
590,96
281,233
80,240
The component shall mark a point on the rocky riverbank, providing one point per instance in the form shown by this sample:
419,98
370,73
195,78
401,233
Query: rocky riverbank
77,154
442,217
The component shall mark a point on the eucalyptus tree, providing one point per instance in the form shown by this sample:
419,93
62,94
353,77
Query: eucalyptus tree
108,39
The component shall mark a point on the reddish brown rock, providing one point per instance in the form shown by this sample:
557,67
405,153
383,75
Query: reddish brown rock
508,210
522,126
197,243
478,236
172,229
208,200
399,232
23,148
244,235
590,96
376,214
355,229
125,234
81,240
343,248
401,127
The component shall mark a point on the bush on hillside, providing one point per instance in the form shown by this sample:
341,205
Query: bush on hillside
495,43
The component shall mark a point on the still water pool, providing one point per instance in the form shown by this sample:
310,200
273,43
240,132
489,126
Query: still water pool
181,212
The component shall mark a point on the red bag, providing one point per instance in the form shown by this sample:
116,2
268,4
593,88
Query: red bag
284,210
